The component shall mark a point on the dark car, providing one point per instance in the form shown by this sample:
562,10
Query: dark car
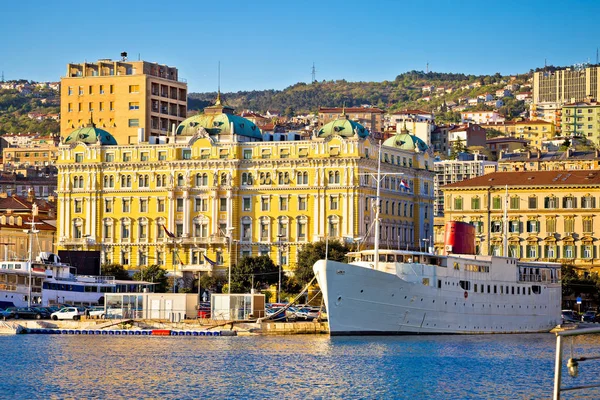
31,313
569,316
5,314
589,316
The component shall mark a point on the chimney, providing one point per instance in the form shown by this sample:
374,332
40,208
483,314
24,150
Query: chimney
30,195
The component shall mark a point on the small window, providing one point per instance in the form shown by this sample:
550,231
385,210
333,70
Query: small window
134,122
133,88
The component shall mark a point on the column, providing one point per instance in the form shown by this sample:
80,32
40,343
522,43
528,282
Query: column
186,213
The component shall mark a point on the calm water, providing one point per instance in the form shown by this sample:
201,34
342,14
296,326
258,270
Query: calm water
418,367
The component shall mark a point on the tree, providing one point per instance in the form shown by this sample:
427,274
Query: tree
313,252
116,270
457,147
261,268
154,274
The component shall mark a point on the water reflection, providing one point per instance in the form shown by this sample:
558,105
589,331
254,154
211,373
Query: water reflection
495,366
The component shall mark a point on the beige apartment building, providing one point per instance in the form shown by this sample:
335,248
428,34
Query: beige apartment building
132,100
551,215
566,85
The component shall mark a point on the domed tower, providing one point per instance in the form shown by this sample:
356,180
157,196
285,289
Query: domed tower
405,141
344,127
90,135
219,123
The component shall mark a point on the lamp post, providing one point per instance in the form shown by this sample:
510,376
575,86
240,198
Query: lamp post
229,239
280,248
29,266
426,244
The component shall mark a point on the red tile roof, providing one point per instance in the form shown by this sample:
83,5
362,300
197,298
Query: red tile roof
530,178
351,110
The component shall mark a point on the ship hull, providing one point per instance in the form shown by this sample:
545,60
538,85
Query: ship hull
364,301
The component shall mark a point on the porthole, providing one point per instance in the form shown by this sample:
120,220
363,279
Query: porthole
361,290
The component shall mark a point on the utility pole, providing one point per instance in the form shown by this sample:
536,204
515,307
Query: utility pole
30,232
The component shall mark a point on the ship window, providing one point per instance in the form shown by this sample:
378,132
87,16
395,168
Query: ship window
489,291
475,288
425,281
439,284
382,258
536,289
456,267
501,289
495,289
466,285
390,258
529,290
518,290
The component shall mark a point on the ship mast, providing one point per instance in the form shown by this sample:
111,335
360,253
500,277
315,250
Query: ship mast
377,208
505,239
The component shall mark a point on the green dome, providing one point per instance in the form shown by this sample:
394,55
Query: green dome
406,141
91,135
216,124
343,127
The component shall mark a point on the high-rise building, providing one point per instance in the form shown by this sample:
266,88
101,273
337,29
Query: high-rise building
218,189
132,100
566,85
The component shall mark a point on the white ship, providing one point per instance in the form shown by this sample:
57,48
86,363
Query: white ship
406,292
47,281
419,293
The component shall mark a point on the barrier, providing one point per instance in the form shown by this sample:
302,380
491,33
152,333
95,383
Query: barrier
137,333
154,332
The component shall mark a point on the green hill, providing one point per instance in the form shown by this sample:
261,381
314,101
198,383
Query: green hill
15,107
403,92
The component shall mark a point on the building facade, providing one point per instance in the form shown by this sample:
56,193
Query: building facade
451,171
582,119
566,85
216,191
132,100
537,160
551,215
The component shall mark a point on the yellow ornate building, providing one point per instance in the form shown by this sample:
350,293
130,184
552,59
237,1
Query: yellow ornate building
219,184
552,215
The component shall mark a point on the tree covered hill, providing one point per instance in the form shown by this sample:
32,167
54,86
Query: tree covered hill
404,91
15,107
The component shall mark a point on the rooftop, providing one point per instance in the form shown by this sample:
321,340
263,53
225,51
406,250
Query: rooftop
530,178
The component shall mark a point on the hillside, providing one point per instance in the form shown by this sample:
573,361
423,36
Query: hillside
403,92
29,109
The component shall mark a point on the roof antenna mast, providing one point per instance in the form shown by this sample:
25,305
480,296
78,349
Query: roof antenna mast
314,73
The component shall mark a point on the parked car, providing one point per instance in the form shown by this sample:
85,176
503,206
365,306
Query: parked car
589,316
5,314
67,313
31,313
569,316
95,312
114,312
307,313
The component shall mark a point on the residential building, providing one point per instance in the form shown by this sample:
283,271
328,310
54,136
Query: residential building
536,160
482,117
582,119
132,100
467,166
468,134
217,185
552,216
369,117
506,144
16,215
417,122
439,138
21,182
500,93
536,132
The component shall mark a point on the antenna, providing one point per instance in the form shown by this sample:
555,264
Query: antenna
139,56
314,72
427,68
597,62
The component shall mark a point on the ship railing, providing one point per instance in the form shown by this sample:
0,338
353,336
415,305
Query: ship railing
96,279
530,278
572,363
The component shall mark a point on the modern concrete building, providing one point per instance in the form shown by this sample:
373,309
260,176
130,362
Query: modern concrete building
450,171
566,85
132,100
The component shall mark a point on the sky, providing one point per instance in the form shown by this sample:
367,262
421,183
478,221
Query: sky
273,44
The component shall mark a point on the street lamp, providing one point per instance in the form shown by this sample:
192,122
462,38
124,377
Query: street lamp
30,232
229,239
280,248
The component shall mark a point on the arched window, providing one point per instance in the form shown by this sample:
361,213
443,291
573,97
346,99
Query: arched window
337,177
180,180
159,181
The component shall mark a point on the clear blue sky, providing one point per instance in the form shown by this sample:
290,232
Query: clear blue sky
273,44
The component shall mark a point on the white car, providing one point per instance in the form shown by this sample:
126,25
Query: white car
67,313
95,312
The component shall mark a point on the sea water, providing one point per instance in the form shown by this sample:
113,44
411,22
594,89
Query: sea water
302,367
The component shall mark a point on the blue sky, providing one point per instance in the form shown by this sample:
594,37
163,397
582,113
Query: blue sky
273,44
